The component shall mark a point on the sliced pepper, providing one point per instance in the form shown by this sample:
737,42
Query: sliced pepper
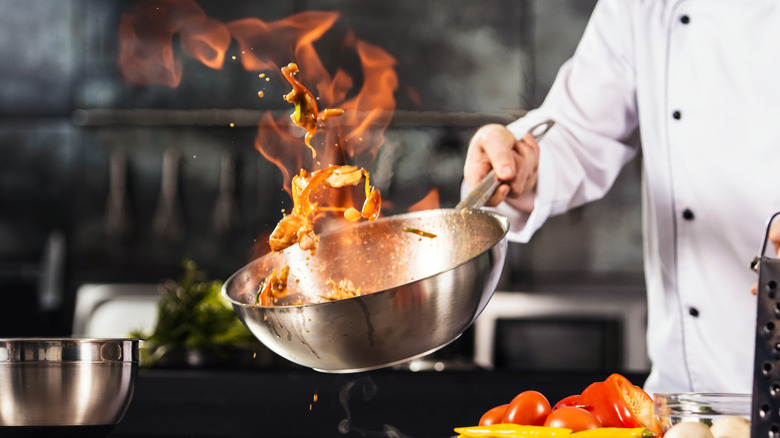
419,232
614,432
616,402
510,431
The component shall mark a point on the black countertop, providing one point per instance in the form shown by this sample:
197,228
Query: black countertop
305,403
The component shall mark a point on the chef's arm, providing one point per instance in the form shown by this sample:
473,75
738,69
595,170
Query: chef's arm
593,105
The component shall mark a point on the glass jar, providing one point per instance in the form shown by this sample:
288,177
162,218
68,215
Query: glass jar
673,408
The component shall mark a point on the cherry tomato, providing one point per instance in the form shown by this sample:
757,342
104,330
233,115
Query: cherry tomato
573,418
572,400
529,408
616,402
493,416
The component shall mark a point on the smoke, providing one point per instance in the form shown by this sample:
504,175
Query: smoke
366,389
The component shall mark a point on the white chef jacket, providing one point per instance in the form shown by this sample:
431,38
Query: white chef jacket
702,80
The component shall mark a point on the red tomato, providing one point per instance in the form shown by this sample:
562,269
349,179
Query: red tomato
529,408
616,402
572,400
573,418
493,416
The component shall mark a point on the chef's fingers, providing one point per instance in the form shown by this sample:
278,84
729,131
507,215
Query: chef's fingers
774,236
774,239
491,147
527,165
498,196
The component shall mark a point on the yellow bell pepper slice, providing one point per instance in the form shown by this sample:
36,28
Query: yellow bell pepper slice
614,432
511,431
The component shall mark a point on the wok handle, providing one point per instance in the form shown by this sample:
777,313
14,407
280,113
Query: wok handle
484,189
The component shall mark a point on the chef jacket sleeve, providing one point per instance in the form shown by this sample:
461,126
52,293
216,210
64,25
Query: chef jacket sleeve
593,102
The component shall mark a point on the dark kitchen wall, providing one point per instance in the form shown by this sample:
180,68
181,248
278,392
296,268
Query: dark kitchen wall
86,195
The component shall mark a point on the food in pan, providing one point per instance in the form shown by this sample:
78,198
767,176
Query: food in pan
419,232
273,290
306,114
341,290
297,227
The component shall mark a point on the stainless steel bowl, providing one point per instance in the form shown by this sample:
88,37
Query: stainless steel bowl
424,291
82,385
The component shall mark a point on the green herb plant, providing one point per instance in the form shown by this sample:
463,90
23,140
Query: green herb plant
191,314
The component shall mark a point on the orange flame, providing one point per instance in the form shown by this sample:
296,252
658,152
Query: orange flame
206,40
429,202
268,46
146,54
375,102
146,57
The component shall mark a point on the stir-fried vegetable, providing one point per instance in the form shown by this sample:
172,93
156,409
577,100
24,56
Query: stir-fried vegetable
306,114
419,232
297,226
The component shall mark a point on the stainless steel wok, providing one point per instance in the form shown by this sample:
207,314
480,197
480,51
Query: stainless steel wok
424,291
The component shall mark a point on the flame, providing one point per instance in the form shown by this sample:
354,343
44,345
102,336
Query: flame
273,142
206,40
261,247
373,106
146,52
429,202
147,57
268,46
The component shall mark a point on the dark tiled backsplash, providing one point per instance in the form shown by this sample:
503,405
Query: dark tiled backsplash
65,112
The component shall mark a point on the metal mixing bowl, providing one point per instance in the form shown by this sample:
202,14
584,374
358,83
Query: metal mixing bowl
423,292
56,386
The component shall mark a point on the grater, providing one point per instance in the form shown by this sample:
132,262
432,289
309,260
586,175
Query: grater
765,412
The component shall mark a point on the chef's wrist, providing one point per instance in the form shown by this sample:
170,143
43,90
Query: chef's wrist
523,203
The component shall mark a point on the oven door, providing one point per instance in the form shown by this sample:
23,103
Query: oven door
583,331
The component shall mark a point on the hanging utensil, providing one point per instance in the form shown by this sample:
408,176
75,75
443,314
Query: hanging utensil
167,220
117,221
225,212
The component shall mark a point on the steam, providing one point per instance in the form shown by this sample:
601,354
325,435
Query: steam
367,389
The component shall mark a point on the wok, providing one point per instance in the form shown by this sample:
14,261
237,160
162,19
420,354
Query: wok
422,292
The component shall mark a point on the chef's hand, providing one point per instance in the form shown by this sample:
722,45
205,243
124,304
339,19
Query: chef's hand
774,238
515,162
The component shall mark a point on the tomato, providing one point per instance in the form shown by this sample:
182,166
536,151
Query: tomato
493,416
572,400
573,418
528,408
616,402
